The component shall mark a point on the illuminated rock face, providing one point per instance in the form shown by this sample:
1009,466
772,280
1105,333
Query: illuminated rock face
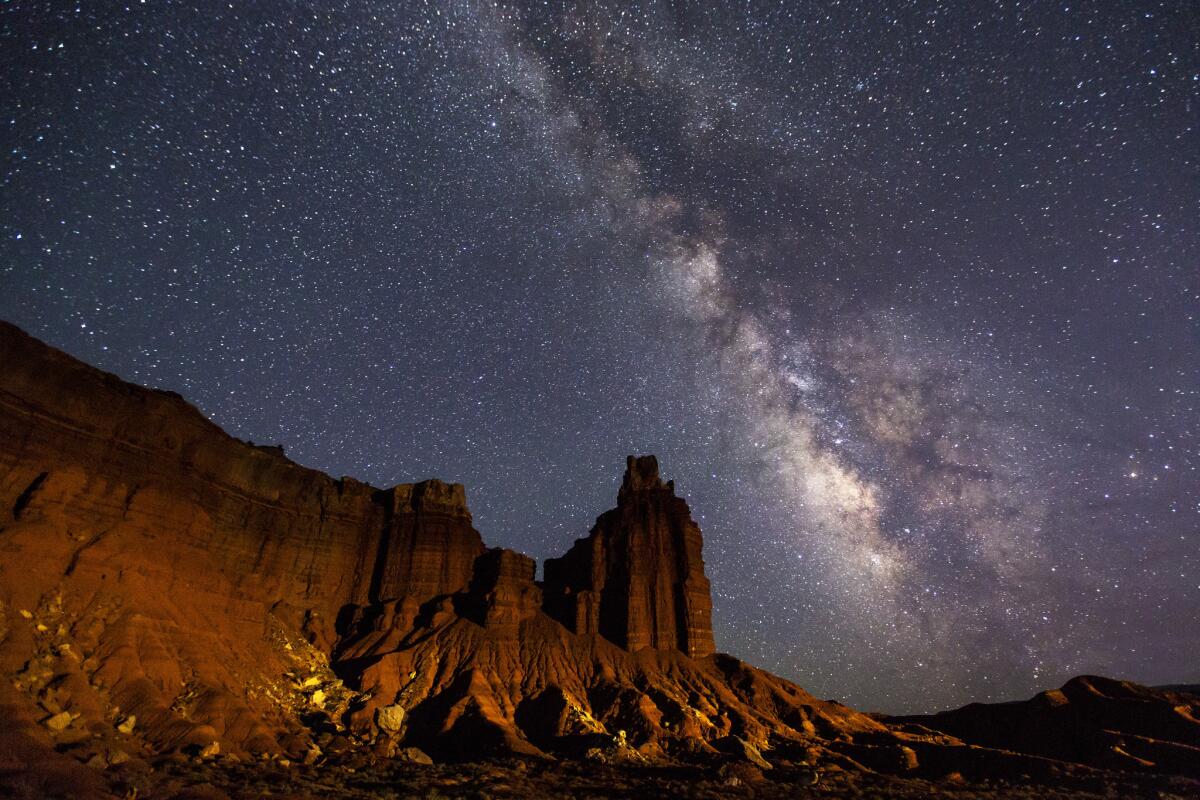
153,568
428,547
162,555
638,578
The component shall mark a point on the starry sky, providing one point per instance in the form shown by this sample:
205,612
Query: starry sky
904,295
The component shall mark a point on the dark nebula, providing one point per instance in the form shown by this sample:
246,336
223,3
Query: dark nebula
904,296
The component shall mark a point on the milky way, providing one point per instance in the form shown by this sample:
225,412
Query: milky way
904,296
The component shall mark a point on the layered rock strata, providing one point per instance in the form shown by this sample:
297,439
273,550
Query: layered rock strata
427,546
167,588
638,578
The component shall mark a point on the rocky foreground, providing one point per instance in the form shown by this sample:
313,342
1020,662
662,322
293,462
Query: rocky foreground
184,612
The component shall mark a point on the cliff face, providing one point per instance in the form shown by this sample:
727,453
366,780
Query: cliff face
638,579
428,547
166,586
157,558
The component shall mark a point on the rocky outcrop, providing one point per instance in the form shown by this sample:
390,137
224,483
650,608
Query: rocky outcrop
152,565
427,547
487,670
638,578
503,590
165,588
155,569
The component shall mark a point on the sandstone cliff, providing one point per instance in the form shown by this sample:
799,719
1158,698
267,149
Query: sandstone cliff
165,588
638,579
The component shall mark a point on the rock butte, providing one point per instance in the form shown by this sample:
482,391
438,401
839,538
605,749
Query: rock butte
165,587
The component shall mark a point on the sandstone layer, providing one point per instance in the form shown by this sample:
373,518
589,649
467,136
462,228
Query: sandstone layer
166,588
638,578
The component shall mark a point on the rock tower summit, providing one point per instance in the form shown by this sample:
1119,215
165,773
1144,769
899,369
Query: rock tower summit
638,578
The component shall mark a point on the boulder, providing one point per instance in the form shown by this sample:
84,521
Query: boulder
390,718
59,722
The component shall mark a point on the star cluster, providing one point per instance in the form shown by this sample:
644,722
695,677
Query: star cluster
903,295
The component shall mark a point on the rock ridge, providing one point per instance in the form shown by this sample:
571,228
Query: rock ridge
168,589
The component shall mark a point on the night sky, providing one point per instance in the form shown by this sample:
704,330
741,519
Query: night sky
904,298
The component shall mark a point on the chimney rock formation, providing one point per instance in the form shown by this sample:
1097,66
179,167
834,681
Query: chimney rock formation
638,578
153,568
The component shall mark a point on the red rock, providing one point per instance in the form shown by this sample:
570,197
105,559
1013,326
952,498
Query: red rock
638,578
152,566
504,591
199,576
428,547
